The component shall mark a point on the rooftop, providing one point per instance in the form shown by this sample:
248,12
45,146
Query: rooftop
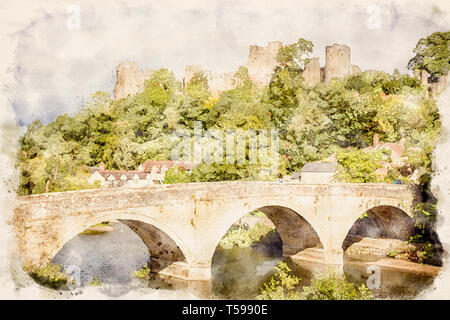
319,167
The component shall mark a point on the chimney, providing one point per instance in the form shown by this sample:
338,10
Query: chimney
101,166
376,140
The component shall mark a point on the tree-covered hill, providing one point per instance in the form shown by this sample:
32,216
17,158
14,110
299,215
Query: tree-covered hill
338,117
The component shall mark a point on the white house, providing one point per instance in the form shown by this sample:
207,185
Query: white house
150,172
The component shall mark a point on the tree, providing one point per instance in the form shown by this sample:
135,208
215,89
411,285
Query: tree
295,55
432,54
358,166
198,79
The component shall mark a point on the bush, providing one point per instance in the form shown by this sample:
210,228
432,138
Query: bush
142,273
176,176
330,286
96,282
392,87
281,286
50,275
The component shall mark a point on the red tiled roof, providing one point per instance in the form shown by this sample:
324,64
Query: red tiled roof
149,164
147,168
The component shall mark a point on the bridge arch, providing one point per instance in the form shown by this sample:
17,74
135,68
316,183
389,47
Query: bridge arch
297,231
144,226
380,221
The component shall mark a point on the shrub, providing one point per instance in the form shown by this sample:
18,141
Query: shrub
50,275
330,286
392,87
281,286
142,273
96,282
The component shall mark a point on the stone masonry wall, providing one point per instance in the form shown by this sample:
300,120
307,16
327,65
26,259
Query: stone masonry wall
260,64
337,64
129,80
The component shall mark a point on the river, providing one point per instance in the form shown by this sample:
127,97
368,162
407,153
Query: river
237,273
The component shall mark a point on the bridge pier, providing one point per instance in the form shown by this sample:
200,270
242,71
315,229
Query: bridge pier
194,278
318,260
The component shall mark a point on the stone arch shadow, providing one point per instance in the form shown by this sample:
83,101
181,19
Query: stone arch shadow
382,221
164,246
293,235
295,231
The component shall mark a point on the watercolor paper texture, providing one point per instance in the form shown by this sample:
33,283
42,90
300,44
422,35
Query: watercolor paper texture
172,150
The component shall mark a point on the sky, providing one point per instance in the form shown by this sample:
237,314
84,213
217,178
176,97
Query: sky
59,60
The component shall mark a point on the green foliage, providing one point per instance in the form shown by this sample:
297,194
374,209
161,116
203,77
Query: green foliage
50,275
392,87
96,282
330,286
295,55
281,286
427,254
425,214
358,166
198,79
142,273
364,215
244,237
432,54
176,176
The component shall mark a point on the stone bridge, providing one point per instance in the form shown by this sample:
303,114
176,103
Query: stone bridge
182,224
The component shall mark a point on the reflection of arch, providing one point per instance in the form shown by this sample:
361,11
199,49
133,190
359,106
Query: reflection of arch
382,221
163,243
295,231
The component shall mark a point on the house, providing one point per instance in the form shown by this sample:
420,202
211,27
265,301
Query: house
148,173
318,172
396,154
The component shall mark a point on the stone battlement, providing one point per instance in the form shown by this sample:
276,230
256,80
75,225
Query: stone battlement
261,63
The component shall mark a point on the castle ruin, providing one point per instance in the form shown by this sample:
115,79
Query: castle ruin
260,64
129,80
217,82
433,87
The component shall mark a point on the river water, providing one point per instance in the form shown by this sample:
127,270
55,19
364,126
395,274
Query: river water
237,273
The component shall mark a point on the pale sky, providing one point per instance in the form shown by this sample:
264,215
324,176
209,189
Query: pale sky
55,69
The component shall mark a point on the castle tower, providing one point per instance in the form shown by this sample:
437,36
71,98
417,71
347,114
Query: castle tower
261,62
337,63
127,79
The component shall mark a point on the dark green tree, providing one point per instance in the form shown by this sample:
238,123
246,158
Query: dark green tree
432,54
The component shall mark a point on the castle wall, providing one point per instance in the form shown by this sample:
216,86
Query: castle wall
434,87
217,82
311,74
260,64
